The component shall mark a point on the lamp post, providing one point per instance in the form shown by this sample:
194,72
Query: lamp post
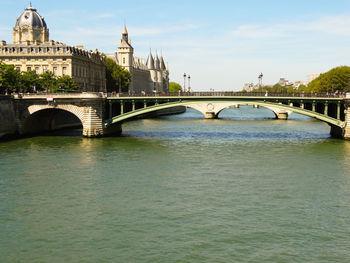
260,81
185,82
189,83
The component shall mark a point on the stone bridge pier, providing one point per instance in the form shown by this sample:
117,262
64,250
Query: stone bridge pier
51,112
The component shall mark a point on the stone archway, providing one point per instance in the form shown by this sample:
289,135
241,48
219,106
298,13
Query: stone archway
49,119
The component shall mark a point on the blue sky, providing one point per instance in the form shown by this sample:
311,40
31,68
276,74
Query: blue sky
221,44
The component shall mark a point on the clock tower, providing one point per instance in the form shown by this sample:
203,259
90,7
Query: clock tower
30,28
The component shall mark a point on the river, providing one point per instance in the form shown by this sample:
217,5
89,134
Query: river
244,188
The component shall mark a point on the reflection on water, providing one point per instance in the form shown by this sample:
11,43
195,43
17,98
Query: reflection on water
179,189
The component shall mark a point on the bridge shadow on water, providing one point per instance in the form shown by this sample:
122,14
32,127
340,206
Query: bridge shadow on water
227,135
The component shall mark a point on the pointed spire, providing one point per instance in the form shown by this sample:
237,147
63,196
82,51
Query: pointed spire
125,35
30,7
125,30
156,62
162,64
150,61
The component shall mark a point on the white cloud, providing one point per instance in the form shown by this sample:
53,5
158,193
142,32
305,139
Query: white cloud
338,25
332,25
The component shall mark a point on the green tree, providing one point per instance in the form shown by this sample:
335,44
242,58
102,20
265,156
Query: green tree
337,79
48,81
29,80
117,78
10,78
174,87
67,83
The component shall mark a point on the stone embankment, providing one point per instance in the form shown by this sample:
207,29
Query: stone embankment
8,127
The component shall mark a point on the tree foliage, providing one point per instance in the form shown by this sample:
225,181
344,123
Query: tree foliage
117,78
12,80
29,80
174,87
337,79
66,83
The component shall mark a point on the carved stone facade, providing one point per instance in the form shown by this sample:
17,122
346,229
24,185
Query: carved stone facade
32,50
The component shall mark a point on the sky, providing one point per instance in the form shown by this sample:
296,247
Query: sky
221,44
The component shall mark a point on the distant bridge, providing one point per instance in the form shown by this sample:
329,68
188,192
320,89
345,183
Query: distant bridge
102,114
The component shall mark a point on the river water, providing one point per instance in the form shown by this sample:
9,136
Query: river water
245,188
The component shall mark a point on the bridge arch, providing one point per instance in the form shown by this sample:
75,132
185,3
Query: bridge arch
43,118
270,105
75,110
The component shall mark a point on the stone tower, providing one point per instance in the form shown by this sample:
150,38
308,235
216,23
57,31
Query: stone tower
126,52
30,28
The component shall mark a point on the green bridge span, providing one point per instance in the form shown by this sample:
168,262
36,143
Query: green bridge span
327,109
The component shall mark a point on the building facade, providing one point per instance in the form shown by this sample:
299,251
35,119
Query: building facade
32,50
149,76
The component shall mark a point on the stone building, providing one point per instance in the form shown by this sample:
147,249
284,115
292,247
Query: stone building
32,50
149,76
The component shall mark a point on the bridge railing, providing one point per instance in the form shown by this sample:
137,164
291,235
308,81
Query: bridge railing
181,94
226,93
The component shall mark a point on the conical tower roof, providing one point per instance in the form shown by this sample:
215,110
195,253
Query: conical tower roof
162,64
156,62
150,61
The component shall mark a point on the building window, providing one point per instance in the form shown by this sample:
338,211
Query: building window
55,59
36,59
29,68
64,59
37,70
17,59
18,68
123,60
64,71
10,59
55,71
44,68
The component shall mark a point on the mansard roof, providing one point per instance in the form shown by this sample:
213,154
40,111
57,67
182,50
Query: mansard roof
30,17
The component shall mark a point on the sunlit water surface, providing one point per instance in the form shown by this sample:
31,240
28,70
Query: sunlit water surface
244,188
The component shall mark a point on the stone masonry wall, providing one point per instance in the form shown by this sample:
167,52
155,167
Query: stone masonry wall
8,126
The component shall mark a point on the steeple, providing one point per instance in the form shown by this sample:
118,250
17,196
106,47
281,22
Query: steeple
125,34
125,30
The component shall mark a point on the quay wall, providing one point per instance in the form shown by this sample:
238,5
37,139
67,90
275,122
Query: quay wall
8,126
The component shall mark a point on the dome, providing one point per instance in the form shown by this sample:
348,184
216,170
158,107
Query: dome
30,18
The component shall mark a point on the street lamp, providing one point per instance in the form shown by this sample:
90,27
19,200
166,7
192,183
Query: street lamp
185,82
260,81
189,83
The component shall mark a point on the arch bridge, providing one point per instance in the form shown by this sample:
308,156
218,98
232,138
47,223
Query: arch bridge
329,109
103,114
